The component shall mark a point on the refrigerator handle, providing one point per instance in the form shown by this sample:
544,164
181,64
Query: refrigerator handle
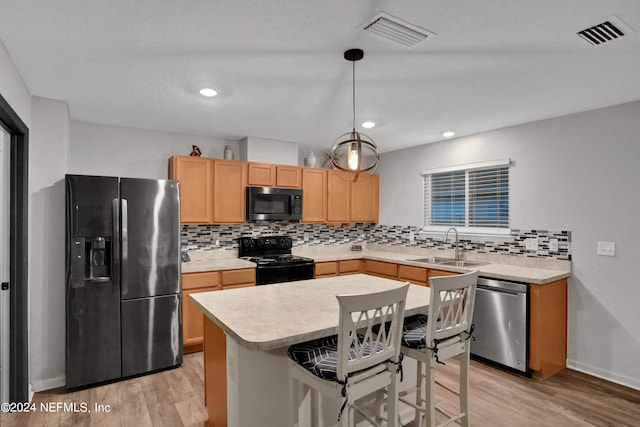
115,244
125,249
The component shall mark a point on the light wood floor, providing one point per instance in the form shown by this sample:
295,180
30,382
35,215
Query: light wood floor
175,398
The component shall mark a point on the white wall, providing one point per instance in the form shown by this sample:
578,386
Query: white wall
47,166
12,88
578,173
96,149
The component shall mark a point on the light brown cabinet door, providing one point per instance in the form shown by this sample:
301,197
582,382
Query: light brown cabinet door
350,266
388,270
288,176
548,328
415,275
229,188
338,196
196,188
364,198
192,321
326,269
438,273
314,200
261,174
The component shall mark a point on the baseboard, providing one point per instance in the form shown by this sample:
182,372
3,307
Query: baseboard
48,383
605,375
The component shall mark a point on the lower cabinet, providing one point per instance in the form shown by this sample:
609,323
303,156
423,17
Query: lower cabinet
337,268
415,275
388,270
192,317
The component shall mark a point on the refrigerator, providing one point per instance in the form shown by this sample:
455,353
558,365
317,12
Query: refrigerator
123,288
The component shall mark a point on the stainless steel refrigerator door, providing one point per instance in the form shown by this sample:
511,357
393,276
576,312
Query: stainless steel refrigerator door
151,334
150,237
92,281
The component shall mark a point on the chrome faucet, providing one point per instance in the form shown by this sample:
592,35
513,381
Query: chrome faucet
458,251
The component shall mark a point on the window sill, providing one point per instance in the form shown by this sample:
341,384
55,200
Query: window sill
502,235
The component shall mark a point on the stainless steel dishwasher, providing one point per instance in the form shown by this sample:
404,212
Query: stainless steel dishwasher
500,316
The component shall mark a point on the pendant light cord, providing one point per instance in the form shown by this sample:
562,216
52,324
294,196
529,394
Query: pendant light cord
354,94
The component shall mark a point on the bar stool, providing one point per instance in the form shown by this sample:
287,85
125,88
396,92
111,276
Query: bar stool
443,334
358,361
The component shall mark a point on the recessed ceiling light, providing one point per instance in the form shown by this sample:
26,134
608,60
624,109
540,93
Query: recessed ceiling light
368,125
448,134
208,92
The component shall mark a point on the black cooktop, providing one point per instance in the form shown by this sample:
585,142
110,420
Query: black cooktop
269,251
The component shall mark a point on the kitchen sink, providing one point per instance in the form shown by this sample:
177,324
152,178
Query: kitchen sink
433,260
462,263
448,261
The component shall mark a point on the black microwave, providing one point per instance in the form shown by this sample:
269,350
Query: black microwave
273,204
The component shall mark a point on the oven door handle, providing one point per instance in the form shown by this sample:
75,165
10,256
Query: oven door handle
270,267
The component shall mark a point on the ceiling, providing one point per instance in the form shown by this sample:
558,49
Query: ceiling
279,68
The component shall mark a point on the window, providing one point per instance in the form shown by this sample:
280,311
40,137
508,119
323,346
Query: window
473,197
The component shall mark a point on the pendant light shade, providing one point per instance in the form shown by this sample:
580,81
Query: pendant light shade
354,151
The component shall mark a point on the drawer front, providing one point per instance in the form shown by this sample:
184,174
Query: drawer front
412,274
351,266
326,268
201,280
386,269
436,273
239,277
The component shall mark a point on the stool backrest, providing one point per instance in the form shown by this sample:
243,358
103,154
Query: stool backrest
370,346
451,306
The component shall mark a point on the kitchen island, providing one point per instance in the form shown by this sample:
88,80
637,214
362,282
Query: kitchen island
248,331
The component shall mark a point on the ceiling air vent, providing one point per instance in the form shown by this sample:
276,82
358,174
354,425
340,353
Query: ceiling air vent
397,30
609,30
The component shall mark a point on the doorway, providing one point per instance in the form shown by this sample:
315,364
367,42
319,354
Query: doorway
17,158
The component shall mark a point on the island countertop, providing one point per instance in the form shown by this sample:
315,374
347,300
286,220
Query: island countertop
282,314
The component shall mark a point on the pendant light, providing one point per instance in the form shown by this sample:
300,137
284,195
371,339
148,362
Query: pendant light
354,151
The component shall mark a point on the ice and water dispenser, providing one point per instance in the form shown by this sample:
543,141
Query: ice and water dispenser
91,260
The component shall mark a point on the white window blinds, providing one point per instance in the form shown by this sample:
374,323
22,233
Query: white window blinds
468,196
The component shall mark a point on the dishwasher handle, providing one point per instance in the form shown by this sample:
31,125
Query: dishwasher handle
502,286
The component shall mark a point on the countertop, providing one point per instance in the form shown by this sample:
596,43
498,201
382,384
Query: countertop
276,316
516,268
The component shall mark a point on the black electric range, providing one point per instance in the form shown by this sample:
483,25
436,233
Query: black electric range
274,261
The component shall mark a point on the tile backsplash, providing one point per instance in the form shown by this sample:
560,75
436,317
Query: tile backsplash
224,237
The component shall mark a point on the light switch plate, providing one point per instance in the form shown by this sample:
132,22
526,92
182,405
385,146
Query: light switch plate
607,248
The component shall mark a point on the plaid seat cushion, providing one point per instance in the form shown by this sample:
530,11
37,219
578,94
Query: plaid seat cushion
414,331
320,356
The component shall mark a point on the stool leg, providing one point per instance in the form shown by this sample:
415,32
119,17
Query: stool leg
464,386
293,386
431,392
392,400
420,395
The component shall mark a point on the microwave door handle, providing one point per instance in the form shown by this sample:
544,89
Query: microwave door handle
291,203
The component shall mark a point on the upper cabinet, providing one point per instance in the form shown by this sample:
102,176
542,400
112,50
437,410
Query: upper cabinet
268,175
229,194
196,187
214,190
339,196
314,201
261,174
288,176
350,201
364,198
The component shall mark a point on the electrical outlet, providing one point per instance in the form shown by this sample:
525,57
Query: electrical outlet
306,236
531,244
412,236
553,245
607,248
